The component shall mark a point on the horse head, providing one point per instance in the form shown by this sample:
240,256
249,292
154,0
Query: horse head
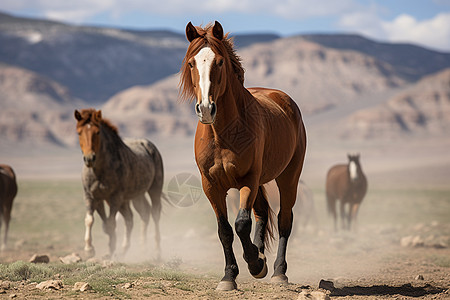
88,129
354,166
206,68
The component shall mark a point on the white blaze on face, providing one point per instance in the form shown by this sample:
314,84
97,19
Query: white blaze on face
203,61
353,171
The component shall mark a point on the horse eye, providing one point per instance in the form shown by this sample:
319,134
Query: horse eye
190,65
220,62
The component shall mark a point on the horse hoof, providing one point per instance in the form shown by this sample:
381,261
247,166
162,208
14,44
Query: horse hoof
263,272
226,286
90,252
279,279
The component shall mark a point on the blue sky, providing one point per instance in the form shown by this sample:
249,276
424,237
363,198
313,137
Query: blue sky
423,22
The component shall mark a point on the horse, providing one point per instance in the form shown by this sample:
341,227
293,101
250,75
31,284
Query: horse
118,171
347,183
8,191
244,139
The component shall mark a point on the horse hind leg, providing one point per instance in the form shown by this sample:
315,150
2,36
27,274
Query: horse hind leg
156,207
125,211
264,226
143,208
287,184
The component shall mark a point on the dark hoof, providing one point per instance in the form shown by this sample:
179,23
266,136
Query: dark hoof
226,286
279,279
263,272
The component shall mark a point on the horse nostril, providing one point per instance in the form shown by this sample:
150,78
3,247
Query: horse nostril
93,157
197,108
213,109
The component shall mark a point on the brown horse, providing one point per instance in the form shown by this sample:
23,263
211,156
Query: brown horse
8,190
348,184
117,171
244,139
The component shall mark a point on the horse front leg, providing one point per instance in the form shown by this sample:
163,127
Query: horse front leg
226,235
255,259
88,223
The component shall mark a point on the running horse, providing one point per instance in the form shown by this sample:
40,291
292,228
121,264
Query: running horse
8,190
348,184
244,139
118,172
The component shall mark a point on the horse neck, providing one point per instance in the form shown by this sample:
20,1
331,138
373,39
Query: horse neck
230,105
110,150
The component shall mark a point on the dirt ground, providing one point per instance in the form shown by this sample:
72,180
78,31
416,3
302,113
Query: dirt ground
401,249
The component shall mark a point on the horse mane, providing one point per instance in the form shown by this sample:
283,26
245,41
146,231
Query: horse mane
225,47
90,115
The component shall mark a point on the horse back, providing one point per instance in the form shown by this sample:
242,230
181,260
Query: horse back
8,185
146,151
337,182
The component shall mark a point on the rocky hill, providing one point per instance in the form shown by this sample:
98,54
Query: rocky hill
422,109
148,110
318,78
35,109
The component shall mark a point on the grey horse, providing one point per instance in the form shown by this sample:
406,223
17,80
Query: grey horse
118,172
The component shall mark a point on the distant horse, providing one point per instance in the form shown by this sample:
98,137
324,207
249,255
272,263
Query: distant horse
117,171
244,139
8,190
348,184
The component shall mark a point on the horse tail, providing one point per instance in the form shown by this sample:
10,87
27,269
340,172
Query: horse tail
270,226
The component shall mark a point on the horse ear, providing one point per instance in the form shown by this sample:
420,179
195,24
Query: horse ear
218,31
191,32
98,115
77,115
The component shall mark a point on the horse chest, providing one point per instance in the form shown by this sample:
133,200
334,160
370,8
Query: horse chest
224,173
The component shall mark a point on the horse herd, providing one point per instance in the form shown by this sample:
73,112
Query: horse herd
245,138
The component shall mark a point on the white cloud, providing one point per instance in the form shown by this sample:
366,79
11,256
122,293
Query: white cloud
432,33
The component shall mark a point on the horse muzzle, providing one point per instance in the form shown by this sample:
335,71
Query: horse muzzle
206,114
89,160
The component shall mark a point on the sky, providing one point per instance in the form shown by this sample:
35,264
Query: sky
422,22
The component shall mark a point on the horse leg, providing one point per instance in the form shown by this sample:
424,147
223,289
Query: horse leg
5,219
262,211
110,228
353,214
331,204
143,209
125,211
226,235
88,223
344,218
287,184
1,223
155,196
256,261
